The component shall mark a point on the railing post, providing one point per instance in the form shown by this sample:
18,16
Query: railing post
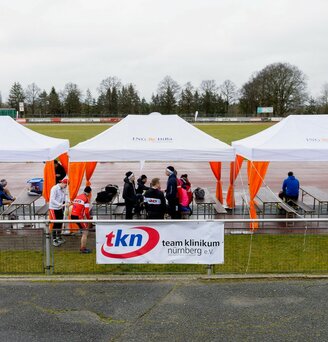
209,269
48,266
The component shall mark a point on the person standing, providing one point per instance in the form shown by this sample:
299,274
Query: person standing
187,185
141,188
81,208
172,193
59,171
290,188
141,183
129,195
56,210
155,201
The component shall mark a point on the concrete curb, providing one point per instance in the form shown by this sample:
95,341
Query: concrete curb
154,278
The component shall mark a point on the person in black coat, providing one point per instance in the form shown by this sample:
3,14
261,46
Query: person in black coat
129,194
172,193
141,183
59,171
155,201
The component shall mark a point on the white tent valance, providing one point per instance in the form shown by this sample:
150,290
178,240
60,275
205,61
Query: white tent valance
20,144
296,138
153,137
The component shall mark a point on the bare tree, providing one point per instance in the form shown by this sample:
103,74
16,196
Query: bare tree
108,84
32,93
208,86
168,83
186,102
323,98
72,98
108,94
280,85
210,100
228,93
168,91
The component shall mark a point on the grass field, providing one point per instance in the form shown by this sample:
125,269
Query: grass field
288,253
77,133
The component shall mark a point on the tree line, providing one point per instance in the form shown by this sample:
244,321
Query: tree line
279,85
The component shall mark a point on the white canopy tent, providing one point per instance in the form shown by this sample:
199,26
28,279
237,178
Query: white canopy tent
20,144
153,137
296,138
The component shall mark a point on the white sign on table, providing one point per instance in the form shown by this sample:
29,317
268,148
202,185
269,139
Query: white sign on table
152,242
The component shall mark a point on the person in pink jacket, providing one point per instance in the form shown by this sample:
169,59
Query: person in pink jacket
183,197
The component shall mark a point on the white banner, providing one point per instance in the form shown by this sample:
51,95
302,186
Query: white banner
152,242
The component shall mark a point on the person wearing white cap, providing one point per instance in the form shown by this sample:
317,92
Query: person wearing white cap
56,210
129,194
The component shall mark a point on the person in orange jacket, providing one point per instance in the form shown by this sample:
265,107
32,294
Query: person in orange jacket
81,208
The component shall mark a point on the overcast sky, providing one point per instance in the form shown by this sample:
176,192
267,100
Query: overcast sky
142,41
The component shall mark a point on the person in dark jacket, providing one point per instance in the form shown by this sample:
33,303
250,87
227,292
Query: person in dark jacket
172,193
141,183
129,195
5,199
155,201
290,188
59,171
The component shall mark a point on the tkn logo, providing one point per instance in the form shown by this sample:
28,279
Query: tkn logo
119,240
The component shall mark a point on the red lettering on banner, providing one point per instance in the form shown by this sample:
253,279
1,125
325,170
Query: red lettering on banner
153,238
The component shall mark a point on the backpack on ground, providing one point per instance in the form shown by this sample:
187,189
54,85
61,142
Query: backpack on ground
199,193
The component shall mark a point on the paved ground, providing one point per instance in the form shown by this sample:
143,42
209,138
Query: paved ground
164,311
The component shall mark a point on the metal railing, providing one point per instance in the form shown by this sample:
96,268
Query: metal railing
280,248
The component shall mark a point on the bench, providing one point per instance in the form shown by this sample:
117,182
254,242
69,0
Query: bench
106,205
3,207
119,210
219,209
245,199
11,209
288,209
306,209
290,212
42,211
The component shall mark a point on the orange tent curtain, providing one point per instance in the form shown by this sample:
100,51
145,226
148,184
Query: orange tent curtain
216,169
256,172
49,179
63,158
234,171
90,168
76,173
